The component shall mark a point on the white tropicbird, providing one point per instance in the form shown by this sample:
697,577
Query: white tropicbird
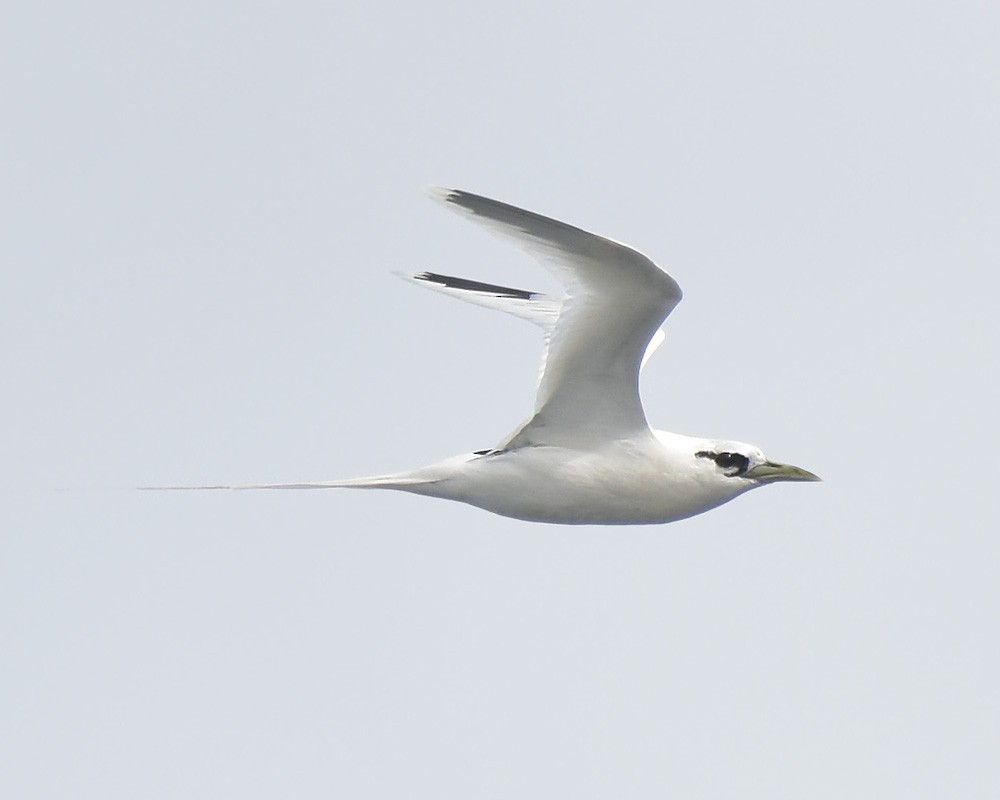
587,454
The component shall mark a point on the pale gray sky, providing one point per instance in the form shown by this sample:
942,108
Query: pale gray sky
202,204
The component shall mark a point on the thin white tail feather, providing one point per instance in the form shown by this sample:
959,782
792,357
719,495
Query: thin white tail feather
373,482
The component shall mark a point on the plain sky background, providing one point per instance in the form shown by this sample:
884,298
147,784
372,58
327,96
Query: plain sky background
202,206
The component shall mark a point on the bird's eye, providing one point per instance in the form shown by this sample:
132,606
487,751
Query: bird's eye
736,462
729,460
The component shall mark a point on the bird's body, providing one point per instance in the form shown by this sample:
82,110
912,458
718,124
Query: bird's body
587,454
622,482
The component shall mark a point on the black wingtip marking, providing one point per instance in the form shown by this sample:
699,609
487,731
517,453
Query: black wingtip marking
475,286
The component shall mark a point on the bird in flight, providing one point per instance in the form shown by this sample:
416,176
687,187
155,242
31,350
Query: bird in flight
587,454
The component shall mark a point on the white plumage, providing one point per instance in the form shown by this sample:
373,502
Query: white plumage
587,454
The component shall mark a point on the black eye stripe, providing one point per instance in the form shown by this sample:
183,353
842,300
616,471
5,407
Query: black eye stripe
727,461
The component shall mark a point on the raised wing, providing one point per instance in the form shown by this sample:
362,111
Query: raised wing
616,299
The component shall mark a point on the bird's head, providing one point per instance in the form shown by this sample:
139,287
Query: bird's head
746,465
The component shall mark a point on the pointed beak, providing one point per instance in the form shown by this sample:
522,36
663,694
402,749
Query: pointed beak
770,471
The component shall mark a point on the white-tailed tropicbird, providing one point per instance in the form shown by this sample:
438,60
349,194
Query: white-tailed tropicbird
587,455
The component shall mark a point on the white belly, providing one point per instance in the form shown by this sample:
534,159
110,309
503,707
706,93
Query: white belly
623,484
